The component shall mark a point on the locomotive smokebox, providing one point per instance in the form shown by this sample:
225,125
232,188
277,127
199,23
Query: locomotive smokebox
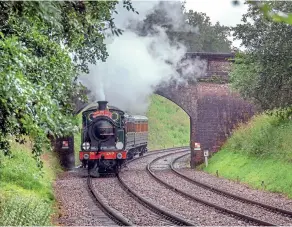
102,105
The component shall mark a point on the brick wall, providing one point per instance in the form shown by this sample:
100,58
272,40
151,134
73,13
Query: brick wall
219,111
214,112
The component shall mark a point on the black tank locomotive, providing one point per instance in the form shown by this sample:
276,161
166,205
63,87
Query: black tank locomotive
110,137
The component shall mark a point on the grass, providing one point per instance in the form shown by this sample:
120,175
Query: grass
258,154
77,141
26,194
169,125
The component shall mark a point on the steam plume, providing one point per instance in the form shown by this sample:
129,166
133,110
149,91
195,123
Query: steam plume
136,64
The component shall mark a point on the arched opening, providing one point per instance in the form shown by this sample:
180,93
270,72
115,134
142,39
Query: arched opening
169,124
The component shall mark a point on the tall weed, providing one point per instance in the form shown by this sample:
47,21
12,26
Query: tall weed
19,210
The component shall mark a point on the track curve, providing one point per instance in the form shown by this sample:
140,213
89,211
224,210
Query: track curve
198,199
225,193
111,213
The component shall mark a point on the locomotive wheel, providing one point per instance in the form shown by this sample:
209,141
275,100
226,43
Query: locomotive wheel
117,170
93,170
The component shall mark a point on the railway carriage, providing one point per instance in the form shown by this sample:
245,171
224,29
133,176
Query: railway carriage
109,137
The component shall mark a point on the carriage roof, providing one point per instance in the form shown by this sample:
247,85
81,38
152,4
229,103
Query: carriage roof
136,117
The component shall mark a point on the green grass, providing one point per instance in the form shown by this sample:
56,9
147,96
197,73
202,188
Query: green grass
169,125
26,192
77,141
258,154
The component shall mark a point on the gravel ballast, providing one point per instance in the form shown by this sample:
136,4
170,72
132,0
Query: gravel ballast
240,189
143,184
78,207
120,200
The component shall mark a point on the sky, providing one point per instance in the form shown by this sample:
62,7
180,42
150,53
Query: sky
220,10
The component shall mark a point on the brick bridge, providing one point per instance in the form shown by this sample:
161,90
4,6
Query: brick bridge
214,110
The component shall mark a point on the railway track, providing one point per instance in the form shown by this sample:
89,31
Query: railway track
152,214
173,218
254,214
141,183
108,210
227,194
282,213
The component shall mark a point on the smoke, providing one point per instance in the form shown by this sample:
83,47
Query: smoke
137,64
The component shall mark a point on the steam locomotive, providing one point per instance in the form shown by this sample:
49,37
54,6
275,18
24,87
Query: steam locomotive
110,137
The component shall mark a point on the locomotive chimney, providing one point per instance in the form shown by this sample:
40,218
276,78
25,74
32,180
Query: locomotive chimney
102,105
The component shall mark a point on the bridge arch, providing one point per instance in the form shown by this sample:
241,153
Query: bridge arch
213,108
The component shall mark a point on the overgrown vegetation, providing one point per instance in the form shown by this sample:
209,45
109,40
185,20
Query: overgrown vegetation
44,46
169,125
263,72
26,195
259,154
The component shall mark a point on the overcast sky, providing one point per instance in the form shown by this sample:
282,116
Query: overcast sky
219,10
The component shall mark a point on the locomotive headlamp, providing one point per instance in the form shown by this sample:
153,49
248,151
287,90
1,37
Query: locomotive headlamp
86,146
86,156
119,155
119,145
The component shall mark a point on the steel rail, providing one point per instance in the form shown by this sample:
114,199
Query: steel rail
174,218
225,193
194,198
110,212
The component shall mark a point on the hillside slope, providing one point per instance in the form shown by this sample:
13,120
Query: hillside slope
169,125
259,154
26,193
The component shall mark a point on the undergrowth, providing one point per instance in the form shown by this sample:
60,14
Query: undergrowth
258,153
26,191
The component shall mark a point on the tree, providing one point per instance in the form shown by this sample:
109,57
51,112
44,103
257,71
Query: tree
43,47
269,12
193,29
264,73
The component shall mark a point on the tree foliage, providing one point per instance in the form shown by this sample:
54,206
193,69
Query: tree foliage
263,73
43,47
269,12
193,29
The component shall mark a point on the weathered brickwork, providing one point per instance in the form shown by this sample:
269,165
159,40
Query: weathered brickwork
218,111
214,110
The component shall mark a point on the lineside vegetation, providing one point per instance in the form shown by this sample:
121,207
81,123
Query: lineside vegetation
169,125
26,193
258,154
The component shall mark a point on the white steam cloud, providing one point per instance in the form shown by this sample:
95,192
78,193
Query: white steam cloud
136,64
